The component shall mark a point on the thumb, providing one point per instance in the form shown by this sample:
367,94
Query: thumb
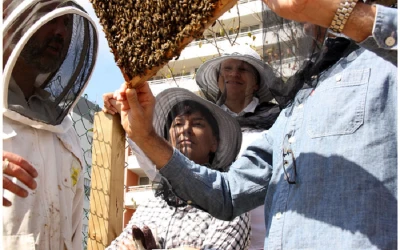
138,238
132,98
149,238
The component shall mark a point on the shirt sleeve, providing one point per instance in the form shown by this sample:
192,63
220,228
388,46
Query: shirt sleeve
144,162
224,195
384,34
229,235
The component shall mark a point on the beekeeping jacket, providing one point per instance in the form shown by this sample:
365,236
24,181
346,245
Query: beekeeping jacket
39,128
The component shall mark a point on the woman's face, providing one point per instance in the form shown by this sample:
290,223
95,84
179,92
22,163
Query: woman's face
193,136
238,77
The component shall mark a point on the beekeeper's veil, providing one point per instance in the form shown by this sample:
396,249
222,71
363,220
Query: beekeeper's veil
49,51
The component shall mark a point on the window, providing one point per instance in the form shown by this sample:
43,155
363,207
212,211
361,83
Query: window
254,27
244,29
144,181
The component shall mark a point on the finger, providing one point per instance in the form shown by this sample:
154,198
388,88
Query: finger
14,188
146,99
144,89
18,160
132,99
149,238
107,96
6,203
110,103
137,235
122,246
21,174
108,111
128,244
119,94
114,105
107,105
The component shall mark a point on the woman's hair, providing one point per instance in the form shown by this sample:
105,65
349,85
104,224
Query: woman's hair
189,107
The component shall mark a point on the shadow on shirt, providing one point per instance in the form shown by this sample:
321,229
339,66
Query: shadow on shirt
349,201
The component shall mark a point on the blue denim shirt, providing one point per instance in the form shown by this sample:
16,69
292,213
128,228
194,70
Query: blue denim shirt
342,138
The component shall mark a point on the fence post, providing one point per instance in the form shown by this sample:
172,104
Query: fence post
107,181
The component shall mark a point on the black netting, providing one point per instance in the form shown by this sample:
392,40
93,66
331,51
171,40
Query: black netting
289,48
299,52
60,55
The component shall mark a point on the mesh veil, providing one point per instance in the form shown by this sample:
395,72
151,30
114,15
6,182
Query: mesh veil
289,48
59,81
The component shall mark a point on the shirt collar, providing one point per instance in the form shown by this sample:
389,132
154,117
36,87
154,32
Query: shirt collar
250,108
19,97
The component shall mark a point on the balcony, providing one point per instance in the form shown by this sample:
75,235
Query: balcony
223,38
136,195
289,65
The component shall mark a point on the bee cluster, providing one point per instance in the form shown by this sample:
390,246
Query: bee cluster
143,34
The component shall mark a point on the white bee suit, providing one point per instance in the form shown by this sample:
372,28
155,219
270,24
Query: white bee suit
40,130
52,214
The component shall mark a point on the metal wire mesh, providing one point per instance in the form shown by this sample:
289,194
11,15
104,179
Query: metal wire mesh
83,117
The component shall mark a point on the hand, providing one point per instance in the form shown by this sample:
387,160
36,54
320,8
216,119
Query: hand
21,169
143,238
304,10
358,27
127,244
111,106
137,107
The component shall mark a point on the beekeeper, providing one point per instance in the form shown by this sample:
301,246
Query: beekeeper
49,51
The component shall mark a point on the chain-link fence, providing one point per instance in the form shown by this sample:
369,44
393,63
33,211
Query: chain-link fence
83,117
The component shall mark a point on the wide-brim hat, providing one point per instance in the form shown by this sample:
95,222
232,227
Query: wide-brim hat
229,130
207,74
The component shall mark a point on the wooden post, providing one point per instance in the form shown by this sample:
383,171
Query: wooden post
107,178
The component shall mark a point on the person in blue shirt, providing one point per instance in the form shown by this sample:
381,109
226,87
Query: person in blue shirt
327,169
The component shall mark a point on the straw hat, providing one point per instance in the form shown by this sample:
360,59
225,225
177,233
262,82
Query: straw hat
229,130
206,76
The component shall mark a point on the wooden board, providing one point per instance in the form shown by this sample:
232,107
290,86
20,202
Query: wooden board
107,178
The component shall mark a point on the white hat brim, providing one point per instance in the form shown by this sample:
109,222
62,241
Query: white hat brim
206,76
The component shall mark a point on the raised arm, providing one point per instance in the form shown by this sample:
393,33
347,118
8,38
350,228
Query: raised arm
374,27
224,195
137,107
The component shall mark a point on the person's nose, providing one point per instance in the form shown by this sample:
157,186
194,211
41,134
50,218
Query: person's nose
60,29
186,128
234,73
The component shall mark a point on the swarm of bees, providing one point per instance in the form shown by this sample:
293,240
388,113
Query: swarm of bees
145,34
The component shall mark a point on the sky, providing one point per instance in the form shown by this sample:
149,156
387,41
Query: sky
106,76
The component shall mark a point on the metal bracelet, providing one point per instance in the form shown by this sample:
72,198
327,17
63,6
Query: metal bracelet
342,14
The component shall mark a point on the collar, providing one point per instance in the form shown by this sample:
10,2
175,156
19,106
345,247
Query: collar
250,108
18,97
